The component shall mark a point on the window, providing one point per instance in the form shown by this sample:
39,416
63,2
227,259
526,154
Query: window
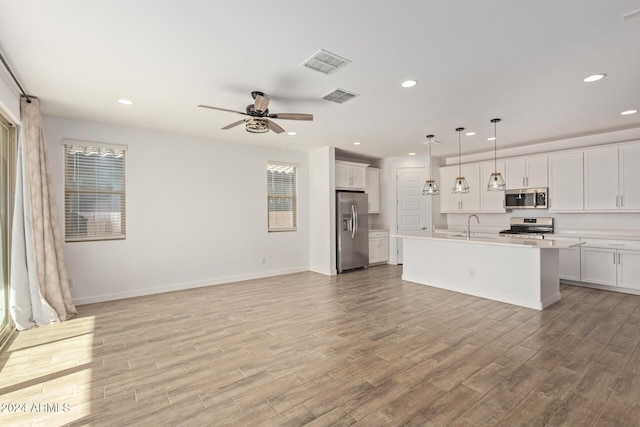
8,145
94,192
281,197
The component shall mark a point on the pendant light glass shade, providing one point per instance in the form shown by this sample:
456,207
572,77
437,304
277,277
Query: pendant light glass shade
496,182
460,185
430,185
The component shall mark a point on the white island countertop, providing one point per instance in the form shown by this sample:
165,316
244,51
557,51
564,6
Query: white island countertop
502,241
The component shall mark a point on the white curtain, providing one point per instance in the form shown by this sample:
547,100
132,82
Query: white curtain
39,286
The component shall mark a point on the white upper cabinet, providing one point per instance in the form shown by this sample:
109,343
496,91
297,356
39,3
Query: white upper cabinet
611,177
467,202
630,177
566,185
350,175
526,173
373,189
491,201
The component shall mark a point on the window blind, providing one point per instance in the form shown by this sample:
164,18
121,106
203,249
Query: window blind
95,196
281,197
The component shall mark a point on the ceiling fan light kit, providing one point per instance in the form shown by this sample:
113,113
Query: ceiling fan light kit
257,125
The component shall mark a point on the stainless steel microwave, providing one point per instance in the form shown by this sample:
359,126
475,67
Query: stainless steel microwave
529,198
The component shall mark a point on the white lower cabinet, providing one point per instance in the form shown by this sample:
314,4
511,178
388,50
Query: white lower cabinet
611,263
378,247
629,269
569,260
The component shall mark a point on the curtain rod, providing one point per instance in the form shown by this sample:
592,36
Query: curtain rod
6,66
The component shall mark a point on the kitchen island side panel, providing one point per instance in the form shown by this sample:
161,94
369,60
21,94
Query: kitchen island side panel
515,275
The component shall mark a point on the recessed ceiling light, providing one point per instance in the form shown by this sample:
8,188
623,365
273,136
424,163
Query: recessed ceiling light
493,138
412,154
626,113
125,102
291,133
470,133
357,143
409,83
594,78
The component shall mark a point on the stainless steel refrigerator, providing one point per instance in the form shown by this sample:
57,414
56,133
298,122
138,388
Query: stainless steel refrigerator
352,237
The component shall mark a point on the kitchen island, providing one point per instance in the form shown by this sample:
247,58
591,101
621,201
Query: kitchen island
523,272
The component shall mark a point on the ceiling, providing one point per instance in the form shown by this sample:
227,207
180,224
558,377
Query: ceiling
523,61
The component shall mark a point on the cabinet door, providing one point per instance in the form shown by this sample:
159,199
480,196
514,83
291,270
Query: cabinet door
490,201
516,173
373,251
358,177
383,249
537,173
598,265
373,189
629,269
570,264
471,200
343,179
601,179
566,178
630,177
449,202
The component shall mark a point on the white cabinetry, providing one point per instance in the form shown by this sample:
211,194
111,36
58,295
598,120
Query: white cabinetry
566,188
467,202
611,177
569,261
350,175
611,263
373,189
629,161
378,247
526,173
491,201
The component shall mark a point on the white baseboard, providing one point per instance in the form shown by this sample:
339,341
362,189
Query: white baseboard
183,286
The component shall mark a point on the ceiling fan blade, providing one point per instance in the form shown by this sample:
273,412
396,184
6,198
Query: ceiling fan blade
275,127
234,124
223,109
261,103
291,116
631,15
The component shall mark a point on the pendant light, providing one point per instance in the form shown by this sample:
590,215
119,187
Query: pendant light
460,185
496,182
430,185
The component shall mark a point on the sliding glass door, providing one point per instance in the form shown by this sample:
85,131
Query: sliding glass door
7,163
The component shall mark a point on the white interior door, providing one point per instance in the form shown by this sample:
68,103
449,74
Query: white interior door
412,207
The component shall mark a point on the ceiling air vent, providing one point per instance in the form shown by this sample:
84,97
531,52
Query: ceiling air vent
339,96
325,62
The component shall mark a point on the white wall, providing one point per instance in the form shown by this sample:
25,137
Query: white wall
196,214
322,236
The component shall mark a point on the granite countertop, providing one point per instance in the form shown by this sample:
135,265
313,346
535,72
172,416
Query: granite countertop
585,233
502,241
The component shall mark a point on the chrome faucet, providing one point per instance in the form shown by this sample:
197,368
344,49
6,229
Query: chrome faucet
469,224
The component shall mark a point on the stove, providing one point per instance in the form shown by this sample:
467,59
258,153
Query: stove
529,228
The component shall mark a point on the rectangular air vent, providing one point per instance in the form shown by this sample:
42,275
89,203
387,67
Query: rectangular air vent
339,96
325,62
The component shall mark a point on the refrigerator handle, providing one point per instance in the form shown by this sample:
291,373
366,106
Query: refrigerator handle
353,221
356,217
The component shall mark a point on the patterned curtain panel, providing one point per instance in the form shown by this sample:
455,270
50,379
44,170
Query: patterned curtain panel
39,286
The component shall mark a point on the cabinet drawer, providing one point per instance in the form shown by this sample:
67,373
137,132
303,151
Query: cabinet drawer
378,234
612,244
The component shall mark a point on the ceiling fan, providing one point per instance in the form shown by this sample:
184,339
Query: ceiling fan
258,112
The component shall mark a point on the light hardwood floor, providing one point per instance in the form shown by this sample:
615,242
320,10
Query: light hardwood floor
363,348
